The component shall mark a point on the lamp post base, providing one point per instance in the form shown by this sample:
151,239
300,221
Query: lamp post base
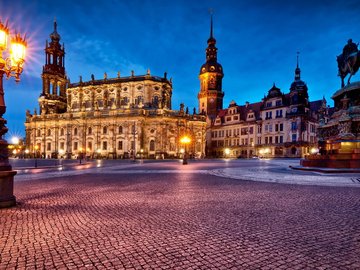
7,198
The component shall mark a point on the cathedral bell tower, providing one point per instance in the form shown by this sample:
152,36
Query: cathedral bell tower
54,80
211,73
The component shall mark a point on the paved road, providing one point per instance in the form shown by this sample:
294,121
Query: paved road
170,216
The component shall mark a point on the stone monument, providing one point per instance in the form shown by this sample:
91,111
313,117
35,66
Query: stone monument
339,137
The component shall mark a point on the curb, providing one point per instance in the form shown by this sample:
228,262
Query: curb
325,170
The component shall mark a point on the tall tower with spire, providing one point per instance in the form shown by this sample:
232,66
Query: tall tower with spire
211,73
299,97
54,80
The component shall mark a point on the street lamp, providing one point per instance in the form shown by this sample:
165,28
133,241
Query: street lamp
98,153
15,142
36,149
227,152
80,155
61,152
12,66
185,140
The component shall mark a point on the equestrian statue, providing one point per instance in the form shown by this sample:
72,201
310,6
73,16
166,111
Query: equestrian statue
348,61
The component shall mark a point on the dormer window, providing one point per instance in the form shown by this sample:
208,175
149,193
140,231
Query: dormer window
268,104
278,103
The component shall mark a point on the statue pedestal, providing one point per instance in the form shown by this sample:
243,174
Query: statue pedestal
339,138
7,198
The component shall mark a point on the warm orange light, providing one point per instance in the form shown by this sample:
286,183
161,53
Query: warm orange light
185,140
36,147
17,51
4,32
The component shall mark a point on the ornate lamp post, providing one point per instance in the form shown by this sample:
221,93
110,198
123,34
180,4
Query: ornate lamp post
11,66
80,154
61,153
185,140
36,148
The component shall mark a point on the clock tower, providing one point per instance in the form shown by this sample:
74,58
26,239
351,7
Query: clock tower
211,73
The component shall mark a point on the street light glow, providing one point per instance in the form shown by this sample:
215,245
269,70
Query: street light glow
15,140
185,139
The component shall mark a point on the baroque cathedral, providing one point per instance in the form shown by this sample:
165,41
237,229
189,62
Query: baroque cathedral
110,117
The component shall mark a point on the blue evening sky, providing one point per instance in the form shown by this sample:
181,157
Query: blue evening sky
257,43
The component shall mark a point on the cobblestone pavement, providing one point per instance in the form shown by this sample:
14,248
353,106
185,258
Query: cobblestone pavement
178,221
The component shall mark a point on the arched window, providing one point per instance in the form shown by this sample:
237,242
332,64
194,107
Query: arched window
104,130
75,131
124,101
38,133
62,132
155,101
120,145
89,130
49,132
138,100
120,129
152,145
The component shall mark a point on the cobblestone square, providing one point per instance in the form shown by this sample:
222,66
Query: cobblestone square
178,221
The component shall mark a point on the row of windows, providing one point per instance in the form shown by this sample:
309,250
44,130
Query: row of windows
89,131
277,139
236,117
234,142
122,102
270,104
279,114
245,141
232,132
278,127
104,146
246,131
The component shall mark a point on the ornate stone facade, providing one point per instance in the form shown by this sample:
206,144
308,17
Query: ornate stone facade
111,117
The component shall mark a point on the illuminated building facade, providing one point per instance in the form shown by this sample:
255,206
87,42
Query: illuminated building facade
280,125
111,117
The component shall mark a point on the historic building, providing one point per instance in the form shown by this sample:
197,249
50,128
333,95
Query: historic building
280,125
211,73
110,117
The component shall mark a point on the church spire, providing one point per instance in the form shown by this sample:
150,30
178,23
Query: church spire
297,70
211,25
55,37
211,50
